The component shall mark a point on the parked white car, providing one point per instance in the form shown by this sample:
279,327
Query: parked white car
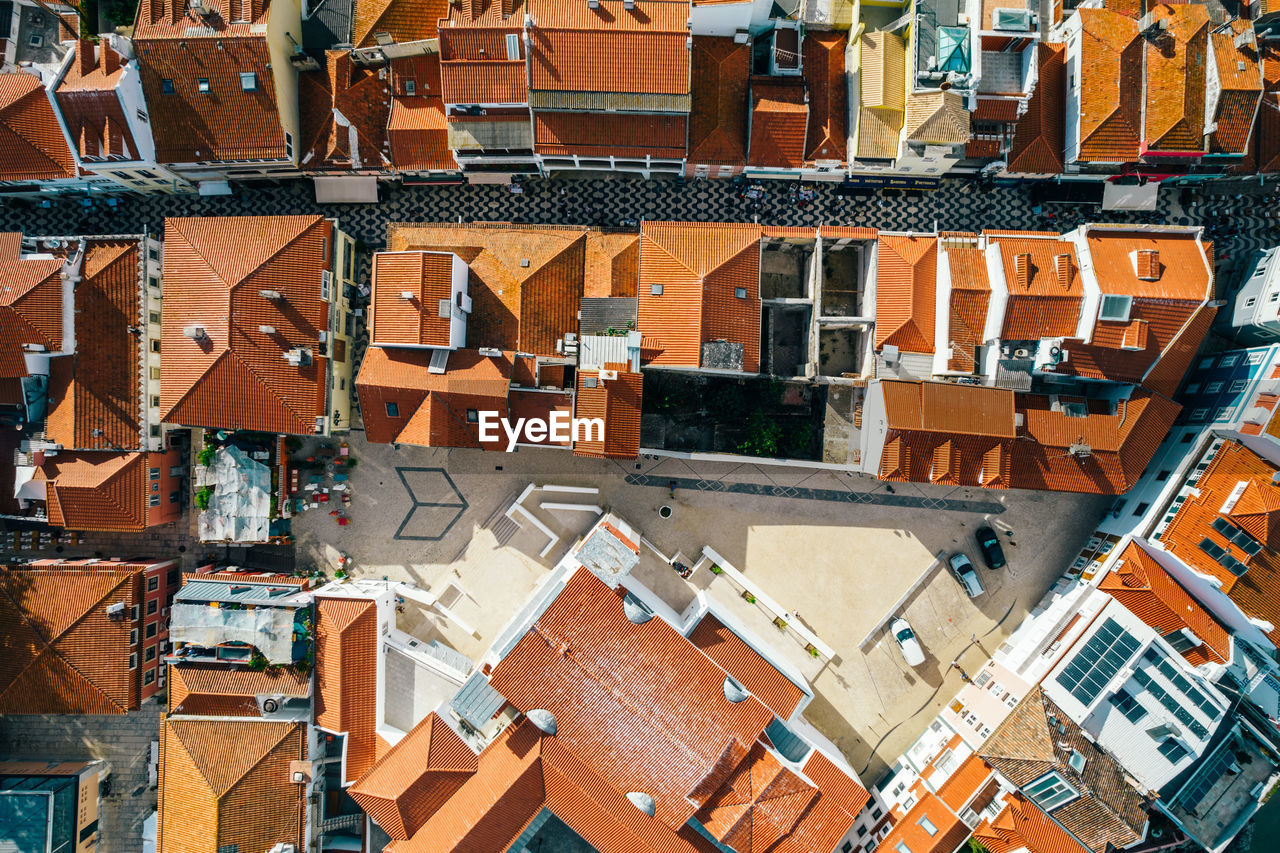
906,640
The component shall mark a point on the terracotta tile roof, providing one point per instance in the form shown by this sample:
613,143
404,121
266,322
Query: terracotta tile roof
1111,57
235,376
30,304
718,117
1240,75
1175,80
1003,110
949,831
965,435
828,87
94,398
539,404
937,117
346,664
575,48
227,122
754,672
610,134
1039,135
430,409
1141,584
486,12
612,264
213,690
961,786
699,266
906,284
1267,138
417,129
91,107
405,20
475,68
1037,737
1045,291
62,654
225,784
30,136
663,736
362,98
617,402
526,281
1258,592
758,803
411,782
1022,826
970,295
395,321
96,490
884,91
779,122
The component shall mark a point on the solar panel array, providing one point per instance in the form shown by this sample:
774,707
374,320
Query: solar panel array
1170,702
1176,678
1237,536
1097,663
1128,705
1221,555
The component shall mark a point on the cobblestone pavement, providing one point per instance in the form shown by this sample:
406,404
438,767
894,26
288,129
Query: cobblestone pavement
123,741
614,200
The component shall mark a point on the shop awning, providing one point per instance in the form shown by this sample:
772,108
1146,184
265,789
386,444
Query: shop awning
347,189
1117,196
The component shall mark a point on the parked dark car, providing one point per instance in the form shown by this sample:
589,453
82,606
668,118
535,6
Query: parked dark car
989,545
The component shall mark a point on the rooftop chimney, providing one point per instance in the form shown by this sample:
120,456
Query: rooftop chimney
110,60
1022,269
196,333
273,295
1062,265
84,57
267,330
406,295
1148,264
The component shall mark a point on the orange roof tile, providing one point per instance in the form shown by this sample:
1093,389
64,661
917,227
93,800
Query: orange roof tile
62,654
577,48
970,295
826,82
700,267
235,376
609,134
949,408
906,283
754,672
417,129
225,784
526,281
961,786
758,803
404,20
30,304
411,782
1258,594
718,117
779,122
30,136
475,67
1175,84
1141,584
403,401
1039,136
1240,76
949,831
1111,57
1022,826
95,402
612,264
92,108
346,655
1045,291
96,490
539,404
363,99
225,690
226,122
396,321
617,403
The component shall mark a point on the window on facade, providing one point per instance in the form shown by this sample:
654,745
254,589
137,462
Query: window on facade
1050,791
288,145
155,373
249,81
173,497
149,677
133,661
151,630
166,85
173,577
153,583
393,410
155,345
473,416
152,606
149,654
513,46
202,85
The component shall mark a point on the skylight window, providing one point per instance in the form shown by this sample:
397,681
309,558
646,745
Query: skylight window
1115,308
203,85
1050,791
167,85
655,290
249,81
